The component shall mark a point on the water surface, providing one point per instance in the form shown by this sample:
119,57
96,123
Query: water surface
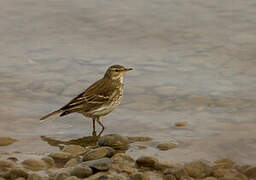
193,61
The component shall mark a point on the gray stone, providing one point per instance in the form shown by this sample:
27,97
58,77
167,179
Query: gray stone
146,161
102,164
198,169
98,153
166,145
81,171
34,176
34,164
115,141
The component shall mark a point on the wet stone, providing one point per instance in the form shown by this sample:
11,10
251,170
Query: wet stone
251,172
75,150
169,177
71,163
49,161
178,172
139,176
5,164
102,164
111,177
16,173
198,169
34,176
5,141
34,164
99,153
115,141
81,171
146,161
166,145
60,157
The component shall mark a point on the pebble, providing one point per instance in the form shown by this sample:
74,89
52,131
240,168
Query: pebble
49,161
210,178
98,153
169,177
146,161
232,174
61,176
178,172
71,163
166,145
34,164
102,164
5,141
115,141
72,178
111,177
81,171
34,176
5,164
139,176
180,124
15,173
60,157
75,150
198,169
251,172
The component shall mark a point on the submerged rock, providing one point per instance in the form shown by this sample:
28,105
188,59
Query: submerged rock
166,145
98,153
115,141
146,161
75,150
5,141
198,169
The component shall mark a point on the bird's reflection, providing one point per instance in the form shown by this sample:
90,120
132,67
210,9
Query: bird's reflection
84,141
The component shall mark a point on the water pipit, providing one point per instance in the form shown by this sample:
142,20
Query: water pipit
99,99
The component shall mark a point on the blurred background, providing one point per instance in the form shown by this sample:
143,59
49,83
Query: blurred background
194,62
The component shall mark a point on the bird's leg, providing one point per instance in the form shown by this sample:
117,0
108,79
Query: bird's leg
93,132
100,123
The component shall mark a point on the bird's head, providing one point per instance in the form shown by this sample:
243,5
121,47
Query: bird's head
116,72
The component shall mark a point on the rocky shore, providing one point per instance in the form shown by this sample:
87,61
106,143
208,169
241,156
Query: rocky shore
107,160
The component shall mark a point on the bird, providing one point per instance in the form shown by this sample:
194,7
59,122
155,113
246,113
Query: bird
99,99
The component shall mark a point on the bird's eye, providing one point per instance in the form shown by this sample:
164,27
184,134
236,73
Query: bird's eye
117,70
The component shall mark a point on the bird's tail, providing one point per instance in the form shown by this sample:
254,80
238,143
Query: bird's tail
42,119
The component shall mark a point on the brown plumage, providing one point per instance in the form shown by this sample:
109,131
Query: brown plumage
99,99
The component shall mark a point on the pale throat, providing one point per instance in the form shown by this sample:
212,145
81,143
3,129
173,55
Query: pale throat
119,78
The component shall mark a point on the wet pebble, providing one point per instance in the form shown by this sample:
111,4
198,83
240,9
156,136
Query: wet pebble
115,141
49,161
34,176
139,176
111,177
98,153
81,171
15,173
198,169
146,161
251,172
5,164
60,157
178,172
166,145
34,164
75,150
102,164
72,162
5,141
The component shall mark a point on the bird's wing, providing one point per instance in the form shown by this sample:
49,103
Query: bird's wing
95,95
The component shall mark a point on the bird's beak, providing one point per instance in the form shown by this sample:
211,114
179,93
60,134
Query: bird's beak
127,69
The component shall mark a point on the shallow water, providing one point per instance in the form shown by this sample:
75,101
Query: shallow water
193,61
